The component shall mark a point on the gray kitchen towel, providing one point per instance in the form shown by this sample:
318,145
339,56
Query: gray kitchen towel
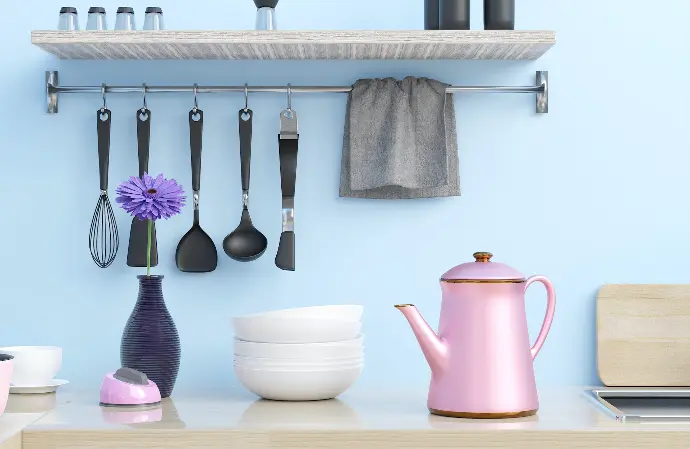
399,140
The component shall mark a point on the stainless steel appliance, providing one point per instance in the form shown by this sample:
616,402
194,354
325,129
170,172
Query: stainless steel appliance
644,404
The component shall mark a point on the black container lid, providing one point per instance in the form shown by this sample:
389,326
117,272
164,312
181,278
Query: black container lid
96,10
68,10
125,9
154,10
266,3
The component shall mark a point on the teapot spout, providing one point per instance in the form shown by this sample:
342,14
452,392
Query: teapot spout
433,347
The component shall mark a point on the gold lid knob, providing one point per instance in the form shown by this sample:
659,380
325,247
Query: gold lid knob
482,257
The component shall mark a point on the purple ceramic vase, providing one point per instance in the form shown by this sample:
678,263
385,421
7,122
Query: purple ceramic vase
150,342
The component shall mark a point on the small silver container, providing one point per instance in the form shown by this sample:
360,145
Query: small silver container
154,18
69,20
124,21
96,19
266,15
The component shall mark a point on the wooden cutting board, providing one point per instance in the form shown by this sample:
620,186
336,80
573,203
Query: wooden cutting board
643,335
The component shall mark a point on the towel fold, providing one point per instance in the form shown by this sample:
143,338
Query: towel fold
399,140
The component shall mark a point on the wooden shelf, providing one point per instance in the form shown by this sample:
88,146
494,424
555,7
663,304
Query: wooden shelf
296,45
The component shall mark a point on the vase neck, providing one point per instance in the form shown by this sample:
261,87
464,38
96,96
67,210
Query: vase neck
150,288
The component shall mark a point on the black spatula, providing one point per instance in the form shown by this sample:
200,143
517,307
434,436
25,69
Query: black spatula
138,234
196,252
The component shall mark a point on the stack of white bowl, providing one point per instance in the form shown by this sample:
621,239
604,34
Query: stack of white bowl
303,354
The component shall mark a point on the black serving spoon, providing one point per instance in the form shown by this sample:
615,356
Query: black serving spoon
245,243
196,252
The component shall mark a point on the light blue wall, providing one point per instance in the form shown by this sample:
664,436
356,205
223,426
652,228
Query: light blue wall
594,192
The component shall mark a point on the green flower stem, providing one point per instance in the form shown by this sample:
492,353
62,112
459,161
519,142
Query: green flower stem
148,249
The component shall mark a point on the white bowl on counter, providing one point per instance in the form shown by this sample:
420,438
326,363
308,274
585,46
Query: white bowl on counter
336,312
301,351
298,385
34,365
251,362
264,329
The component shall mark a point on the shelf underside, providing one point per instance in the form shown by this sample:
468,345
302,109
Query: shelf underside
295,45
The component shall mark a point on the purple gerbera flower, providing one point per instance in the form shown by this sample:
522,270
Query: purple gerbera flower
147,198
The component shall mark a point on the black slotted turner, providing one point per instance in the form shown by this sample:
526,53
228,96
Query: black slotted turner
196,252
138,234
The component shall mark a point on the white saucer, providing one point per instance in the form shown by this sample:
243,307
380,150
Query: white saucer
50,387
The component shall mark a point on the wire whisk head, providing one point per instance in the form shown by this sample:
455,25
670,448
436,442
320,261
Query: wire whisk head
104,239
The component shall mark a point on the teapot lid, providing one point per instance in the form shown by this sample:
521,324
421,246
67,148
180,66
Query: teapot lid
482,269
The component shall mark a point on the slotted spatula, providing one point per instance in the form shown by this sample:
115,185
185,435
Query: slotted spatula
196,252
138,234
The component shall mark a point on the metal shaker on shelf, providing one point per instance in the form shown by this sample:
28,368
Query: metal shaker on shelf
69,20
266,14
96,20
154,18
124,20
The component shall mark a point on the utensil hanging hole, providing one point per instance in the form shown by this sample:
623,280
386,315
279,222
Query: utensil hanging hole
104,116
245,115
196,116
143,116
288,113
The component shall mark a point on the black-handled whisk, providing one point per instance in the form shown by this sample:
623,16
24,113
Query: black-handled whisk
104,239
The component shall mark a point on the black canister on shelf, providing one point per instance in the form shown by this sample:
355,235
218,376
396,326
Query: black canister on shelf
454,14
499,14
431,15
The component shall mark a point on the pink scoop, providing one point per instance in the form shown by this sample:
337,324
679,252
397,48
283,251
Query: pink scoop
127,386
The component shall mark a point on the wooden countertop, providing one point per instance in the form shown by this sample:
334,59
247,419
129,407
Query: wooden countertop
21,411
359,419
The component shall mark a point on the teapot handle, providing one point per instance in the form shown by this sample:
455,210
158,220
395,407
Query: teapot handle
550,309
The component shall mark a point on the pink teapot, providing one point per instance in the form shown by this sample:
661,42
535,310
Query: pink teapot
481,360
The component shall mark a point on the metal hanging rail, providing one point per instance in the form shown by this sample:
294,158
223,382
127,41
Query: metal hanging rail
53,89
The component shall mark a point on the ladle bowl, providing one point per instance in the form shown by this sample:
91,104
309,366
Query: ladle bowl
245,243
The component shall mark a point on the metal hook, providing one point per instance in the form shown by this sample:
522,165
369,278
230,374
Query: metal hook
246,97
144,88
105,106
289,95
196,102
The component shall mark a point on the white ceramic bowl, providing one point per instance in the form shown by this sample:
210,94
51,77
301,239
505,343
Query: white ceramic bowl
302,351
281,385
336,312
34,365
294,330
6,366
253,362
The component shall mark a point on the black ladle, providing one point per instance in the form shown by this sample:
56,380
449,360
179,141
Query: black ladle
245,243
196,252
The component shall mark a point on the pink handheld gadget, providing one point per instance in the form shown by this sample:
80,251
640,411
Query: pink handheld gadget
128,387
481,359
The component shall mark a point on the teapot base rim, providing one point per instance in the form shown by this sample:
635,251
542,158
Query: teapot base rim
473,415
